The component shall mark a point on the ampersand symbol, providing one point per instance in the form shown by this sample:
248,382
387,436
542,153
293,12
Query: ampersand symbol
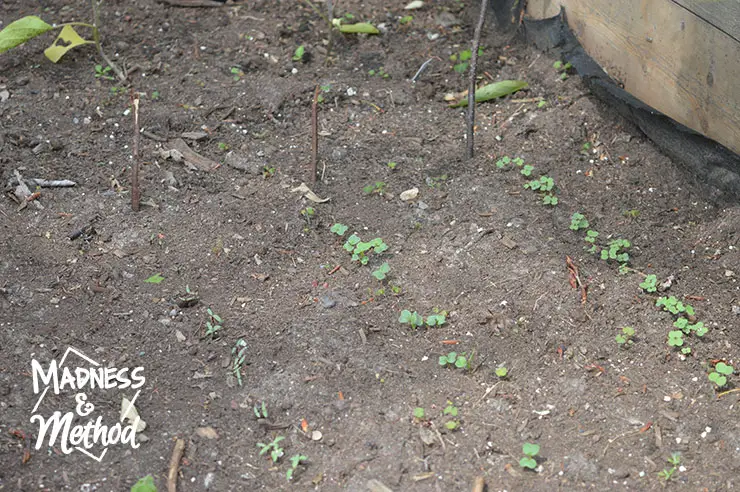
83,408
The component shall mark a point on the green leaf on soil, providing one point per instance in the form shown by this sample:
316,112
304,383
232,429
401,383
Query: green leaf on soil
145,484
419,413
492,91
360,27
530,449
528,462
20,31
155,279
67,39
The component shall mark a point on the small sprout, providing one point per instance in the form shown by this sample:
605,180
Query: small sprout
541,104
378,187
503,162
675,338
720,373
275,451
625,338
527,170
450,409
222,146
414,319
406,19
268,172
675,462
550,200
236,73
452,425
391,165
501,372
530,451
437,319
339,229
299,52
239,354
519,162
650,284
418,413
295,460
453,358
157,278
382,271
578,221
260,411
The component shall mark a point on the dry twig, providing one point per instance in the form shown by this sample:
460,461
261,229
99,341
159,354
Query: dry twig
471,85
135,194
315,134
177,452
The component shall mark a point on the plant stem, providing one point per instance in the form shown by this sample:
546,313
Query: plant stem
135,193
96,37
315,134
471,85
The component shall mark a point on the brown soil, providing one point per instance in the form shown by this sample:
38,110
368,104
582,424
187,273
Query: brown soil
325,345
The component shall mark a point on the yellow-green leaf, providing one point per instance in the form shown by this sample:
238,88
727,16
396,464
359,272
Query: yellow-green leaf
67,39
20,31
492,91
360,27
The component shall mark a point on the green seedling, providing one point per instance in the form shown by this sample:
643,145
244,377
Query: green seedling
632,214
29,27
562,68
527,170
591,239
299,52
436,181
624,339
451,411
462,60
544,183
541,104
501,372
650,284
550,200
103,73
456,360
530,452
616,251
213,324
236,73
685,326
578,221
437,319
260,411
239,357
720,374
675,461
359,249
405,19
268,172
674,306
391,165
675,338
415,320
339,229
377,188
382,271
419,413
380,72
222,146
506,162
157,278
324,89
275,451
145,484
308,212
155,95
295,460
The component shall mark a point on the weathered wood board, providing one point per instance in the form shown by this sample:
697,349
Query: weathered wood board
665,55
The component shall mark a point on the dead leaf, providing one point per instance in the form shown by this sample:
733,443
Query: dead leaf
207,432
306,191
129,413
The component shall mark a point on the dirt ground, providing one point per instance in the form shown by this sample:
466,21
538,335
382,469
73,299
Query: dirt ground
340,377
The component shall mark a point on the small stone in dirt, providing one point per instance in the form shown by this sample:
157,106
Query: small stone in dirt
422,205
316,435
447,19
729,273
377,486
179,335
243,163
327,302
338,154
736,310
207,432
409,194
194,135
427,436
208,481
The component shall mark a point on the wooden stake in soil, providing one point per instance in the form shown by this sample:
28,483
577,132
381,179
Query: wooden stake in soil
479,485
135,194
315,134
471,85
177,452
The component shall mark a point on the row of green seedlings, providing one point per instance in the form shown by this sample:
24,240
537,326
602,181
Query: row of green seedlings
273,447
685,317
544,185
614,251
449,415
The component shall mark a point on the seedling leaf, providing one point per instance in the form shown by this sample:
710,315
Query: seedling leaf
530,449
145,484
528,462
20,31
419,413
155,279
